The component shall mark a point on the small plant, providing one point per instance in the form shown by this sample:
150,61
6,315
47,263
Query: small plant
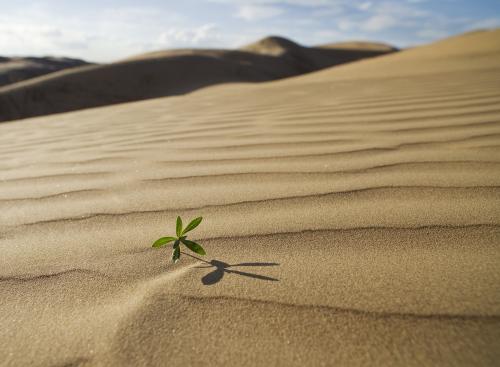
193,246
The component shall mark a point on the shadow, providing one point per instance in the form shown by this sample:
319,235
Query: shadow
221,268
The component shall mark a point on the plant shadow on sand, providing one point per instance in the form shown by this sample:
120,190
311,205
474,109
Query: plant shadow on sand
221,267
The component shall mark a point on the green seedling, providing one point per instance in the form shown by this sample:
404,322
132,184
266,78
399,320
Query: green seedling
181,238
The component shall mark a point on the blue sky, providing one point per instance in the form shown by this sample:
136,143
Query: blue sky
107,30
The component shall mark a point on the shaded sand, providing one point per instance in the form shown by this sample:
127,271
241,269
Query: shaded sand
172,72
351,218
17,69
361,45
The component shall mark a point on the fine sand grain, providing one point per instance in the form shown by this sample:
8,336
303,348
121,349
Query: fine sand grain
351,218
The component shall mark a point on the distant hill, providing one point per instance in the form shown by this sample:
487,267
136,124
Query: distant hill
361,46
166,73
476,49
16,69
272,45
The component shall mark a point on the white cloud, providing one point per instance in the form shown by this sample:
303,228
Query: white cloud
432,33
484,24
104,35
346,24
381,16
379,22
365,6
180,37
40,38
115,30
258,12
309,3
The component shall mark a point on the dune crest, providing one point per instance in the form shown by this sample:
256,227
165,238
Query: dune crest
167,73
17,69
272,45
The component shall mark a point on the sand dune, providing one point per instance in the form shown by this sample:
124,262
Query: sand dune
361,45
167,73
16,69
351,217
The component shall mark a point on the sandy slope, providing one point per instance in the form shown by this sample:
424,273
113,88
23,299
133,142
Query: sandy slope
167,73
16,69
360,45
363,201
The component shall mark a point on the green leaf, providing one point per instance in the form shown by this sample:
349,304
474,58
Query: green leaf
193,246
194,223
176,254
163,241
178,228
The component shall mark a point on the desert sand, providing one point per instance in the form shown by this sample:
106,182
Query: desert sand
361,203
171,72
17,69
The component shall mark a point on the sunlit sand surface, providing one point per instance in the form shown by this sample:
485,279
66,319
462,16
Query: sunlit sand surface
351,217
